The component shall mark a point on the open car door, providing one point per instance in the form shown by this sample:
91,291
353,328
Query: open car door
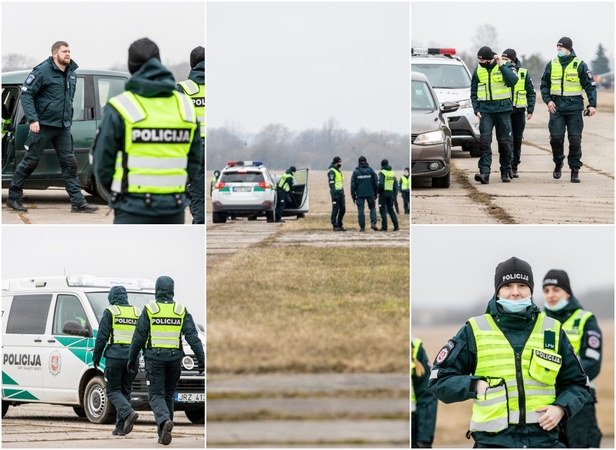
300,193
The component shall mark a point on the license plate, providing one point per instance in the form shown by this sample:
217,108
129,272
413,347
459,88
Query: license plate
189,398
242,189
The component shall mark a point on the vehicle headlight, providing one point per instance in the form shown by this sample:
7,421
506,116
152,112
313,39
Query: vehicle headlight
465,104
188,363
433,137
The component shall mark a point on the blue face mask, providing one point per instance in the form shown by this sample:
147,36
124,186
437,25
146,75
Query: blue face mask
515,306
561,53
558,306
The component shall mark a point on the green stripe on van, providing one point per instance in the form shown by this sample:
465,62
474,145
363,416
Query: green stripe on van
8,380
17,394
78,346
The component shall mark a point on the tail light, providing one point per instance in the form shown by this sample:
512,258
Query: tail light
219,185
264,185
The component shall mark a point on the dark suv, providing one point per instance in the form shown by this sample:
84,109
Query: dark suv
94,88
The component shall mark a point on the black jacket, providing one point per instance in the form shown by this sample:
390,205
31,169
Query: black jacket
364,182
381,184
529,87
427,403
117,296
493,106
197,74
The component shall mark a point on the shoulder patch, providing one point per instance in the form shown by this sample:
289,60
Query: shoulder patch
445,352
590,77
594,342
30,79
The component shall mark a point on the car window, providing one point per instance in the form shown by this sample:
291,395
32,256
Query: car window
79,110
68,307
28,314
242,177
444,75
99,301
421,97
108,87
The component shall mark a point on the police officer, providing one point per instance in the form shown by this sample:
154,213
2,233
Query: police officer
491,87
523,97
388,188
582,430
562,83
283,192
148,146
159,330
215,178
335,179
423,403
115,332
405,189
364,188
194,87
47,99
516,364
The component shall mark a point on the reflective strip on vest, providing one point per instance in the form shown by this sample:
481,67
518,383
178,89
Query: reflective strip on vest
519,90
568,85
405,183
491,85
166,335
123,323
196,92
128,107
338,178
389,181
574,327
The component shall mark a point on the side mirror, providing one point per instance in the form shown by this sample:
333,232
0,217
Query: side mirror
448,107
74,328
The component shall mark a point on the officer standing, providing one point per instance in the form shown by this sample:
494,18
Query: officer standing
214,180
336,190
364,188
582,430
388,188
405,189
517,366
423,403
194,87
148,146
491,87
562,83
115,331
523,98
283,192
159,330
47,99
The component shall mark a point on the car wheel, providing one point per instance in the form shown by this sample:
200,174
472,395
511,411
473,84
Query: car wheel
270,216
476,150
79,411
196,415
301,215
442,182
253,217
97,406
101,191
5,408
218,217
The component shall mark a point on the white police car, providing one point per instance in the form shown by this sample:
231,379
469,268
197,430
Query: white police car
451,80
49,327
244,189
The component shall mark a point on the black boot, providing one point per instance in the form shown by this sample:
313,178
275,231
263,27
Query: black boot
505,177
514,172
483,178
575,175
558,170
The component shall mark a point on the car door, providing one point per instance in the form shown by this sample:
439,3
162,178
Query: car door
300,192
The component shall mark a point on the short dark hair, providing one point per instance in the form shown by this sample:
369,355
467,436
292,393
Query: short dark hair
57,45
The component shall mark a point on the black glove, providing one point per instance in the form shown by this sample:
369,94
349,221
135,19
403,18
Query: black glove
421,444
130,366
96,362
201,365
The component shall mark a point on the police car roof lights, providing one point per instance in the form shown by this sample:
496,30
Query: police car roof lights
244,163
433,51
91,281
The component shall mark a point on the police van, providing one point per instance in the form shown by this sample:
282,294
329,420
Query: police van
49,327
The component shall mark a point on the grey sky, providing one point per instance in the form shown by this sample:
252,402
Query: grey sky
527,27
99,33
454,265
300,63
111,251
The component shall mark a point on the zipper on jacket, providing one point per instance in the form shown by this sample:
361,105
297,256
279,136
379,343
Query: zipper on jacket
521,393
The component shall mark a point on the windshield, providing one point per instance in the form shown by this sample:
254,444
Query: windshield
99,301
445,76
421,97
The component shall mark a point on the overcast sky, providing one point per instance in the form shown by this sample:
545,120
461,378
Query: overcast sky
111,251
99,33
300,63
527,27
454,265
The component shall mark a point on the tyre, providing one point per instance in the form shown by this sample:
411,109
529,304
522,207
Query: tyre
476,150
218,217
196,415
270,215
5,408
79,411
301,215
101,191
442,182
97,406
251,218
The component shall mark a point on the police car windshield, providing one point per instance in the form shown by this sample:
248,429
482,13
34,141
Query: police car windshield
421,97
444,76
242,177
99,301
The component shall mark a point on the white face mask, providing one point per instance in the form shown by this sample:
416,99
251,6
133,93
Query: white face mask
515,306
558,306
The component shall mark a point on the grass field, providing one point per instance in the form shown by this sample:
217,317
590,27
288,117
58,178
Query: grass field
453,419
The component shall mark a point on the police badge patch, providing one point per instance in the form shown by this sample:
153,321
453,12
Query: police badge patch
30,79
594,342
444,353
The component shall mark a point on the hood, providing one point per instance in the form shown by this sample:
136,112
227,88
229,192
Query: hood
566,312
332,166
197,73
387,167
118,296
515,321
164,288
152,80
363,165
289,171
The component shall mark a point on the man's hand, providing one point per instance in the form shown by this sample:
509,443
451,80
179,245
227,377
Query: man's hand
482,387
96,362
551,106
130,366
201,365
354,200
478,115
591,111
35,127
551,418
498,60
529,115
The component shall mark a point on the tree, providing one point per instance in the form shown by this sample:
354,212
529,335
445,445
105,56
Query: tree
486,35
535,65
15,61
601,64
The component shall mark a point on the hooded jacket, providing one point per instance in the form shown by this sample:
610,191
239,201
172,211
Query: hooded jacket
117,296
494,106
364,182
381,183
452,378
427,404
164,294
47,94
151,80
196,74
331,180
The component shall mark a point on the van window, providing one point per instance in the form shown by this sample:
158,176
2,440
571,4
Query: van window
28,314
68,307
99,301
107,88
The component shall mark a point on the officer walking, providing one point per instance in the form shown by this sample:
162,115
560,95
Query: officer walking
47,99
582,430
283,192
405,189
215,178
562,83
194,87
491,87
523,97
364,188
148,146
115,333
517,366
336,190
423,403
159,331
388,187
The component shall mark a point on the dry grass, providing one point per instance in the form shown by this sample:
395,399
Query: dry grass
605,100
306,309
453,419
